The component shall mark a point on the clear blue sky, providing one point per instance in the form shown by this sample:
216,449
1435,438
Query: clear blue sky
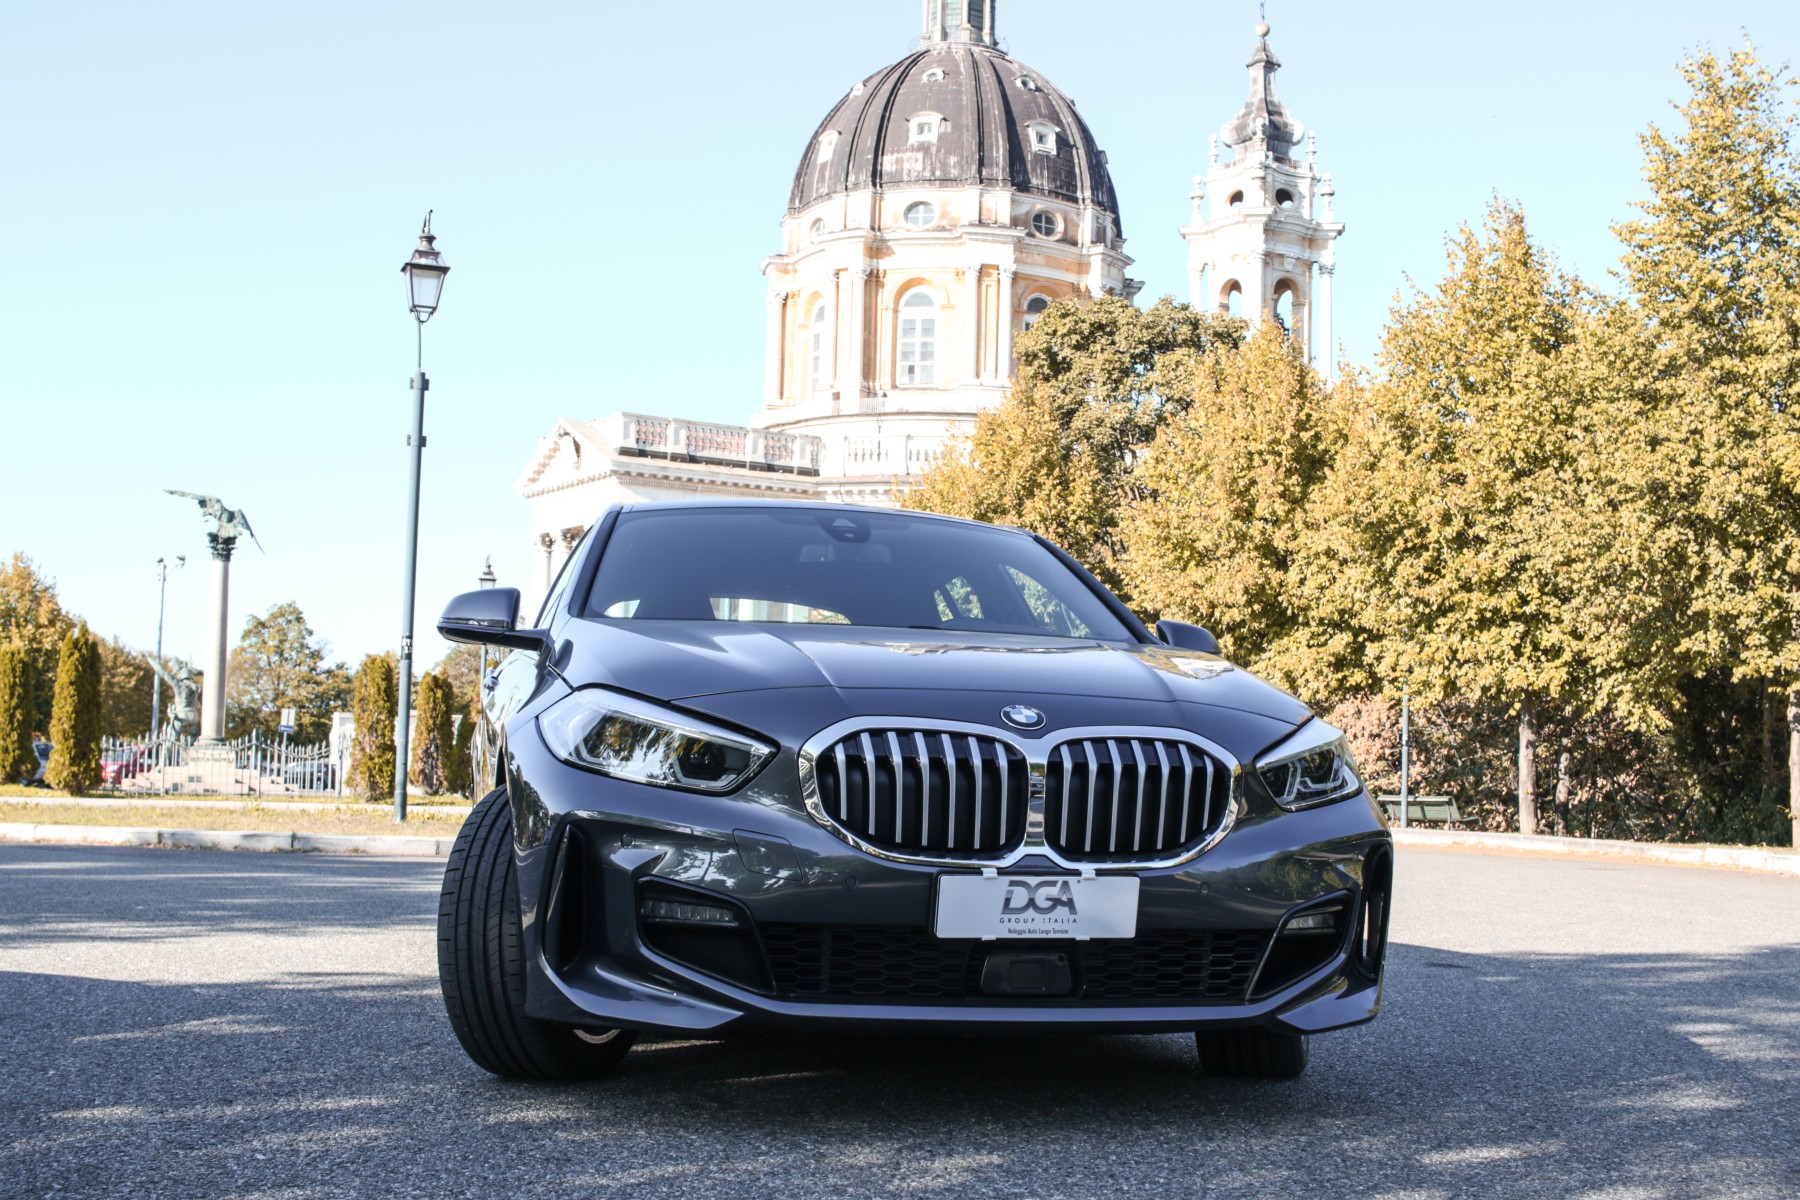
206,206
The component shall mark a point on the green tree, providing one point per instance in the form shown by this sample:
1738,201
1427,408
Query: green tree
17,759
1213,533
31,616
461,667
125,683
1713,267
459,768
1445,535
1096,381
75,716
435,738
280,663
374,710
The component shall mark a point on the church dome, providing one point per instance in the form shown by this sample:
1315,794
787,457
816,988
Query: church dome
956,113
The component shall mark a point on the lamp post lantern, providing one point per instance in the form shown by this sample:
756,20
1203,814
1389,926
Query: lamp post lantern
424,272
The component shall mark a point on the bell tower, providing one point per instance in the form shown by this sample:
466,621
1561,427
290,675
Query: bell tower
1262,235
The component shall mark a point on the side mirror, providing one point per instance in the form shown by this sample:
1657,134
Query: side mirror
1180,635
489,617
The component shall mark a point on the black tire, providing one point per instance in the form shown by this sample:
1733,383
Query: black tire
482,970
1251,1053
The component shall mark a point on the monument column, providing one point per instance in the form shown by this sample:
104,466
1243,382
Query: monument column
212,707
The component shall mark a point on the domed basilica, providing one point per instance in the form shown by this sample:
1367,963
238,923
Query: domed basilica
939,207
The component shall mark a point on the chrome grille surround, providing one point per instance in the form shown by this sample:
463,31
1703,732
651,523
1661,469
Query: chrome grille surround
1037,754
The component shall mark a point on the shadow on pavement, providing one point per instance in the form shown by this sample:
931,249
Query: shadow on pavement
1618,1075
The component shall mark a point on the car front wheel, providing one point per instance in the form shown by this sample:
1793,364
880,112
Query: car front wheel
482,969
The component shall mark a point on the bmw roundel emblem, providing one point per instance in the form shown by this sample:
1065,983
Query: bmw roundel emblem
1022,716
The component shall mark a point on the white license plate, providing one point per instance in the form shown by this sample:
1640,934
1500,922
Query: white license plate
1036,906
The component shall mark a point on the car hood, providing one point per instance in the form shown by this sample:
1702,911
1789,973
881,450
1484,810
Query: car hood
690,661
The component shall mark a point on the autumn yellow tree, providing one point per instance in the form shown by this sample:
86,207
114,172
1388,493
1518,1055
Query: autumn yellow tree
1096,381
1713,266
1213,528
1444,541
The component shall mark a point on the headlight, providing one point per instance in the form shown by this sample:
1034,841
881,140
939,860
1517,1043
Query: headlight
631,739
1312,767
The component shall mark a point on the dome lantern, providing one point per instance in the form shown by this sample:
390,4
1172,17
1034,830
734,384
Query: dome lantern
959,21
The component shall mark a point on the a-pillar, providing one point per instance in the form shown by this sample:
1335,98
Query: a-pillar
218,615
1324,352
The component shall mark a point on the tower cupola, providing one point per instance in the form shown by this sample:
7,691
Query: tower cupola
959,21
1263,124
1261,243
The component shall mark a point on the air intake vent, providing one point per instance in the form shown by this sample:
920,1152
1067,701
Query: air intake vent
1130,799
926,791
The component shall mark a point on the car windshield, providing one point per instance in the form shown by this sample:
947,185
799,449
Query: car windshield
831,567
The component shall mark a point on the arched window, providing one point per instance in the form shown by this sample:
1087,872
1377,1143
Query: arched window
1286,295
1034,308
818,349
1231,299
917,365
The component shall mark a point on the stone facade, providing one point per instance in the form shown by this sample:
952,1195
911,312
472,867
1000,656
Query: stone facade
939,206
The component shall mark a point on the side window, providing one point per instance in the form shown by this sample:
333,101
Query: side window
1050,614
956,600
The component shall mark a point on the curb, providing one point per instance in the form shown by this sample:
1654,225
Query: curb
240,805
1742,858
391,845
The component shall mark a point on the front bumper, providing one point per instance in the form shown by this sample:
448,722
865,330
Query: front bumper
830,937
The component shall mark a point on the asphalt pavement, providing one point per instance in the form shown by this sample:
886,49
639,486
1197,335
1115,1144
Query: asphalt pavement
194,1023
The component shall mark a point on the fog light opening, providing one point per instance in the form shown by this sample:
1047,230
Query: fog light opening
658,911
1305,942
1321,921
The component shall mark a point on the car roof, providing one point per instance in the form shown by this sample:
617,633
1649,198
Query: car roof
804,506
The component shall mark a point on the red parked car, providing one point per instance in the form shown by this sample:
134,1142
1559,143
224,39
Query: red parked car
116,766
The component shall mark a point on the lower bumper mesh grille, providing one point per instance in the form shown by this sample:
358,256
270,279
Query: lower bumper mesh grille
857,962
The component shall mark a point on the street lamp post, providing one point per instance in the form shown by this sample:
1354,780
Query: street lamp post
424,272
156,687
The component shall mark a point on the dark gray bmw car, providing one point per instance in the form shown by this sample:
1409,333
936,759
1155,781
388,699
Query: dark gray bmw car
851,769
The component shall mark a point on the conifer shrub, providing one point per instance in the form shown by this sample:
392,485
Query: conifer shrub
17,705
374,707
435,738
459,768
74,763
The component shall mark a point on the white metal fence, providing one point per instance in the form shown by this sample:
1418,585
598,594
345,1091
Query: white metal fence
256,765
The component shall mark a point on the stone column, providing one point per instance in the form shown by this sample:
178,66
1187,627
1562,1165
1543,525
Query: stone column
772,361
854,329
1324,353
218,617
1005,324
972,324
